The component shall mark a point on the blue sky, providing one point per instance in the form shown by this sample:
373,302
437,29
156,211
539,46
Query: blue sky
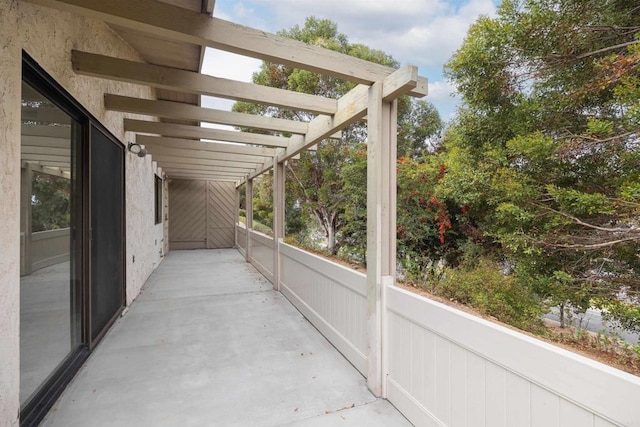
418,32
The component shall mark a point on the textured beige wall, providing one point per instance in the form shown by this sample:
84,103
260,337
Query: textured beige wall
10,76
63,33
49,36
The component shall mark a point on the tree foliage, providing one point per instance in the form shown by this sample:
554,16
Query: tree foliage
50,202
315,184
544,151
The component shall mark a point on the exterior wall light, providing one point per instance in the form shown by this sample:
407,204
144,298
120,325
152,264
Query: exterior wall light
137,149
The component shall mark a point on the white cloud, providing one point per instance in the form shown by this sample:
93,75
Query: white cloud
441,90
420,32
229,65
425,32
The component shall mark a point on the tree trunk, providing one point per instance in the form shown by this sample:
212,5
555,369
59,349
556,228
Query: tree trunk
331,239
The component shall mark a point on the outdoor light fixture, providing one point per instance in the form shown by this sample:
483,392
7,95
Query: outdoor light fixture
138,149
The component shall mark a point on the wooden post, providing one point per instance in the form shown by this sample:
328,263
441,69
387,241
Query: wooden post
249,217
237,217
381,217
278,218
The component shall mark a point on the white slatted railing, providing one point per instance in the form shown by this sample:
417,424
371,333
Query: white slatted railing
331,296
449,368
241,239
445,367
262,253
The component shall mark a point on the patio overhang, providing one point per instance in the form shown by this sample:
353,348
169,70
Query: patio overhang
171,37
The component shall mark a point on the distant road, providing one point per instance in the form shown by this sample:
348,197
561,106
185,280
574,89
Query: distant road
592,321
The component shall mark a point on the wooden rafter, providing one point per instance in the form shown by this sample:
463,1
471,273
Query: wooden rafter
181,152
196,132
233,171
159,141
186,81
351,108
178,24
185,159
177,110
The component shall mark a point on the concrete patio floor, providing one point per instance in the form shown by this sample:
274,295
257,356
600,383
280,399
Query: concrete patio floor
209,343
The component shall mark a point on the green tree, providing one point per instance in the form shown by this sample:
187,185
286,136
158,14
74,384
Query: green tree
544,150
50,202
315,182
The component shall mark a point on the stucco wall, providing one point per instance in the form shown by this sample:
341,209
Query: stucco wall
65,32
10,76
49,36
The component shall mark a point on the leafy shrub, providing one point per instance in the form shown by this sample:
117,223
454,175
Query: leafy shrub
485,288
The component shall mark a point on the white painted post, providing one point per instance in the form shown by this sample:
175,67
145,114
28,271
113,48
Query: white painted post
237,217
249,217
381,218
278,218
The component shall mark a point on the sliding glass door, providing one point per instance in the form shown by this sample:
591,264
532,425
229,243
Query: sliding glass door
50,240
71,238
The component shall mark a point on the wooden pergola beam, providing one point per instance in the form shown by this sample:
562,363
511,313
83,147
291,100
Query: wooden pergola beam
45,141
186,160
48,169
214,147
200,177
196,132
35,130
351,107
177,24
107,67
241,172
181,111
51,151
181,152
46,159
203,173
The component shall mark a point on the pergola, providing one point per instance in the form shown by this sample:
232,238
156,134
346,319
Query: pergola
171,37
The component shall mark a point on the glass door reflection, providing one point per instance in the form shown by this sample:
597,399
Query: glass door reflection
50,327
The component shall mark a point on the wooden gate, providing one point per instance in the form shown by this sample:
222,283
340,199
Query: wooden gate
202,214
221,200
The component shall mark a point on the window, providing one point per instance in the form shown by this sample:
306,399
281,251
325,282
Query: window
158,199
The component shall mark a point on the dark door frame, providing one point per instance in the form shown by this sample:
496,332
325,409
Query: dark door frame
33,74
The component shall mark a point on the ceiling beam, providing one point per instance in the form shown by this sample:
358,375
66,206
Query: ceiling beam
161,159
217,147
199,177
181,111
49,170
351,107
219,169
45,115
107,67
204,172
177,24
179,152
46,131
51,151
45,141
52,164
196,132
